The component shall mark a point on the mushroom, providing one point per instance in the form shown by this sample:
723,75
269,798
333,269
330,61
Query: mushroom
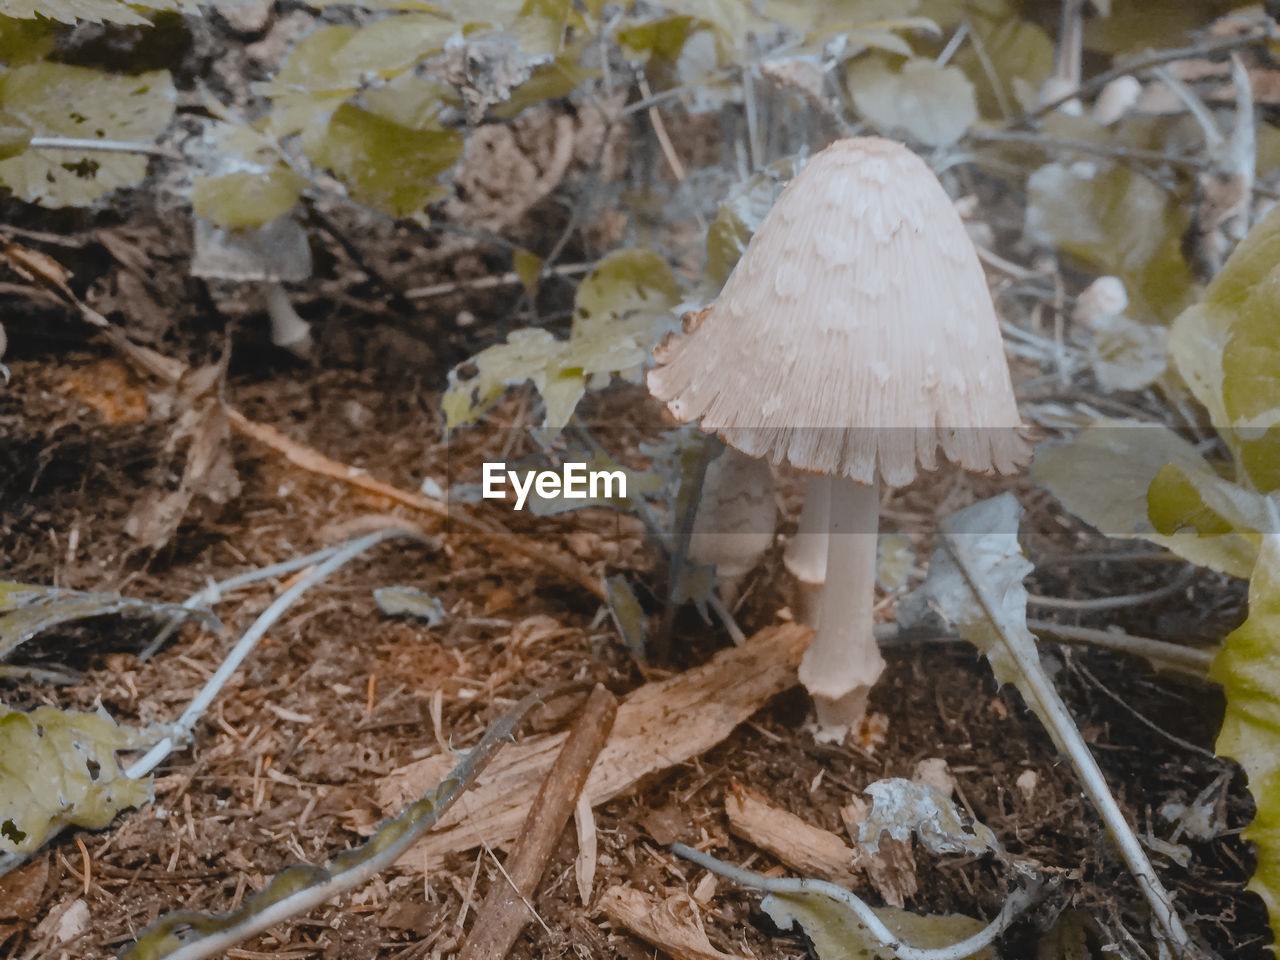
855,339
735,521
265,257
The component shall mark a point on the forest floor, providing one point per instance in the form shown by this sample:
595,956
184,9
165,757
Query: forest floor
338,696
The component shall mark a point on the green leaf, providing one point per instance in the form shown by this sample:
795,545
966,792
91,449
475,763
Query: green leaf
628,615
244,199
58,769
1126,354
412,101
1249,670
71,11
309,86
528,267
26,41
395,43
27,609
1105,476
547,81
528,355
927,103
1018,58
837,933
53,99
313,64
14,135
621,310
1118,222
732,19
625,283
660,37
737,220
1227,348
387,166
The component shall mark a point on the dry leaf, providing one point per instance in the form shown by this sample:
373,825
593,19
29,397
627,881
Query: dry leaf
672,924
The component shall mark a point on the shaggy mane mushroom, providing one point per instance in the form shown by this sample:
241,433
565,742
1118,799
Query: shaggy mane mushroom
855,339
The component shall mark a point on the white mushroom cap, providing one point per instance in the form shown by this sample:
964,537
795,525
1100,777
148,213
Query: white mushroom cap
856,333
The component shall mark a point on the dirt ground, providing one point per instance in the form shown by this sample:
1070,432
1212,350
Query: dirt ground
339,695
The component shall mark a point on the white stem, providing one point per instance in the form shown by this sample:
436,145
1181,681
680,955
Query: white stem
105,146
1069,741
288,330
844,660
806,554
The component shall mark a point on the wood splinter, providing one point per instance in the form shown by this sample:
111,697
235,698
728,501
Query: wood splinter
507,906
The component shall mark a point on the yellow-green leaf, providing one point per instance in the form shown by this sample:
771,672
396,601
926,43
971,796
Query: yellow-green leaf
57,100
622,308
1249,670
1104,474
391,45
25,41
527,265
14,135
1227,349
927,103
389,167
1016,56
58,769
1117,222
244,199
624,283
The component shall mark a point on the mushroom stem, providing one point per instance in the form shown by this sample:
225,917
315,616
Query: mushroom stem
288,330
844,661
806,555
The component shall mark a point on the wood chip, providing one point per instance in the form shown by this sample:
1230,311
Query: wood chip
672,924
809,850
658,726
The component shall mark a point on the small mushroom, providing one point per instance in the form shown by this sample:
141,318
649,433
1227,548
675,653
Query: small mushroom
855,339
265,257
735,521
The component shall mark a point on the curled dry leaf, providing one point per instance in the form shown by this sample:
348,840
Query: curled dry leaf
672,924
208,474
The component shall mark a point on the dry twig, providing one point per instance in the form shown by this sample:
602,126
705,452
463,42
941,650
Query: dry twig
506,908
313,460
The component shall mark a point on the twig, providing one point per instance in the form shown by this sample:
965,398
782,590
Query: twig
185,724
105,146
1050,144
872,924
398,299
310,459
1115,603
1141,718
1188,660
1019,650
506,908
680,552
508,279
186,935
1137,64
660,131
214,591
